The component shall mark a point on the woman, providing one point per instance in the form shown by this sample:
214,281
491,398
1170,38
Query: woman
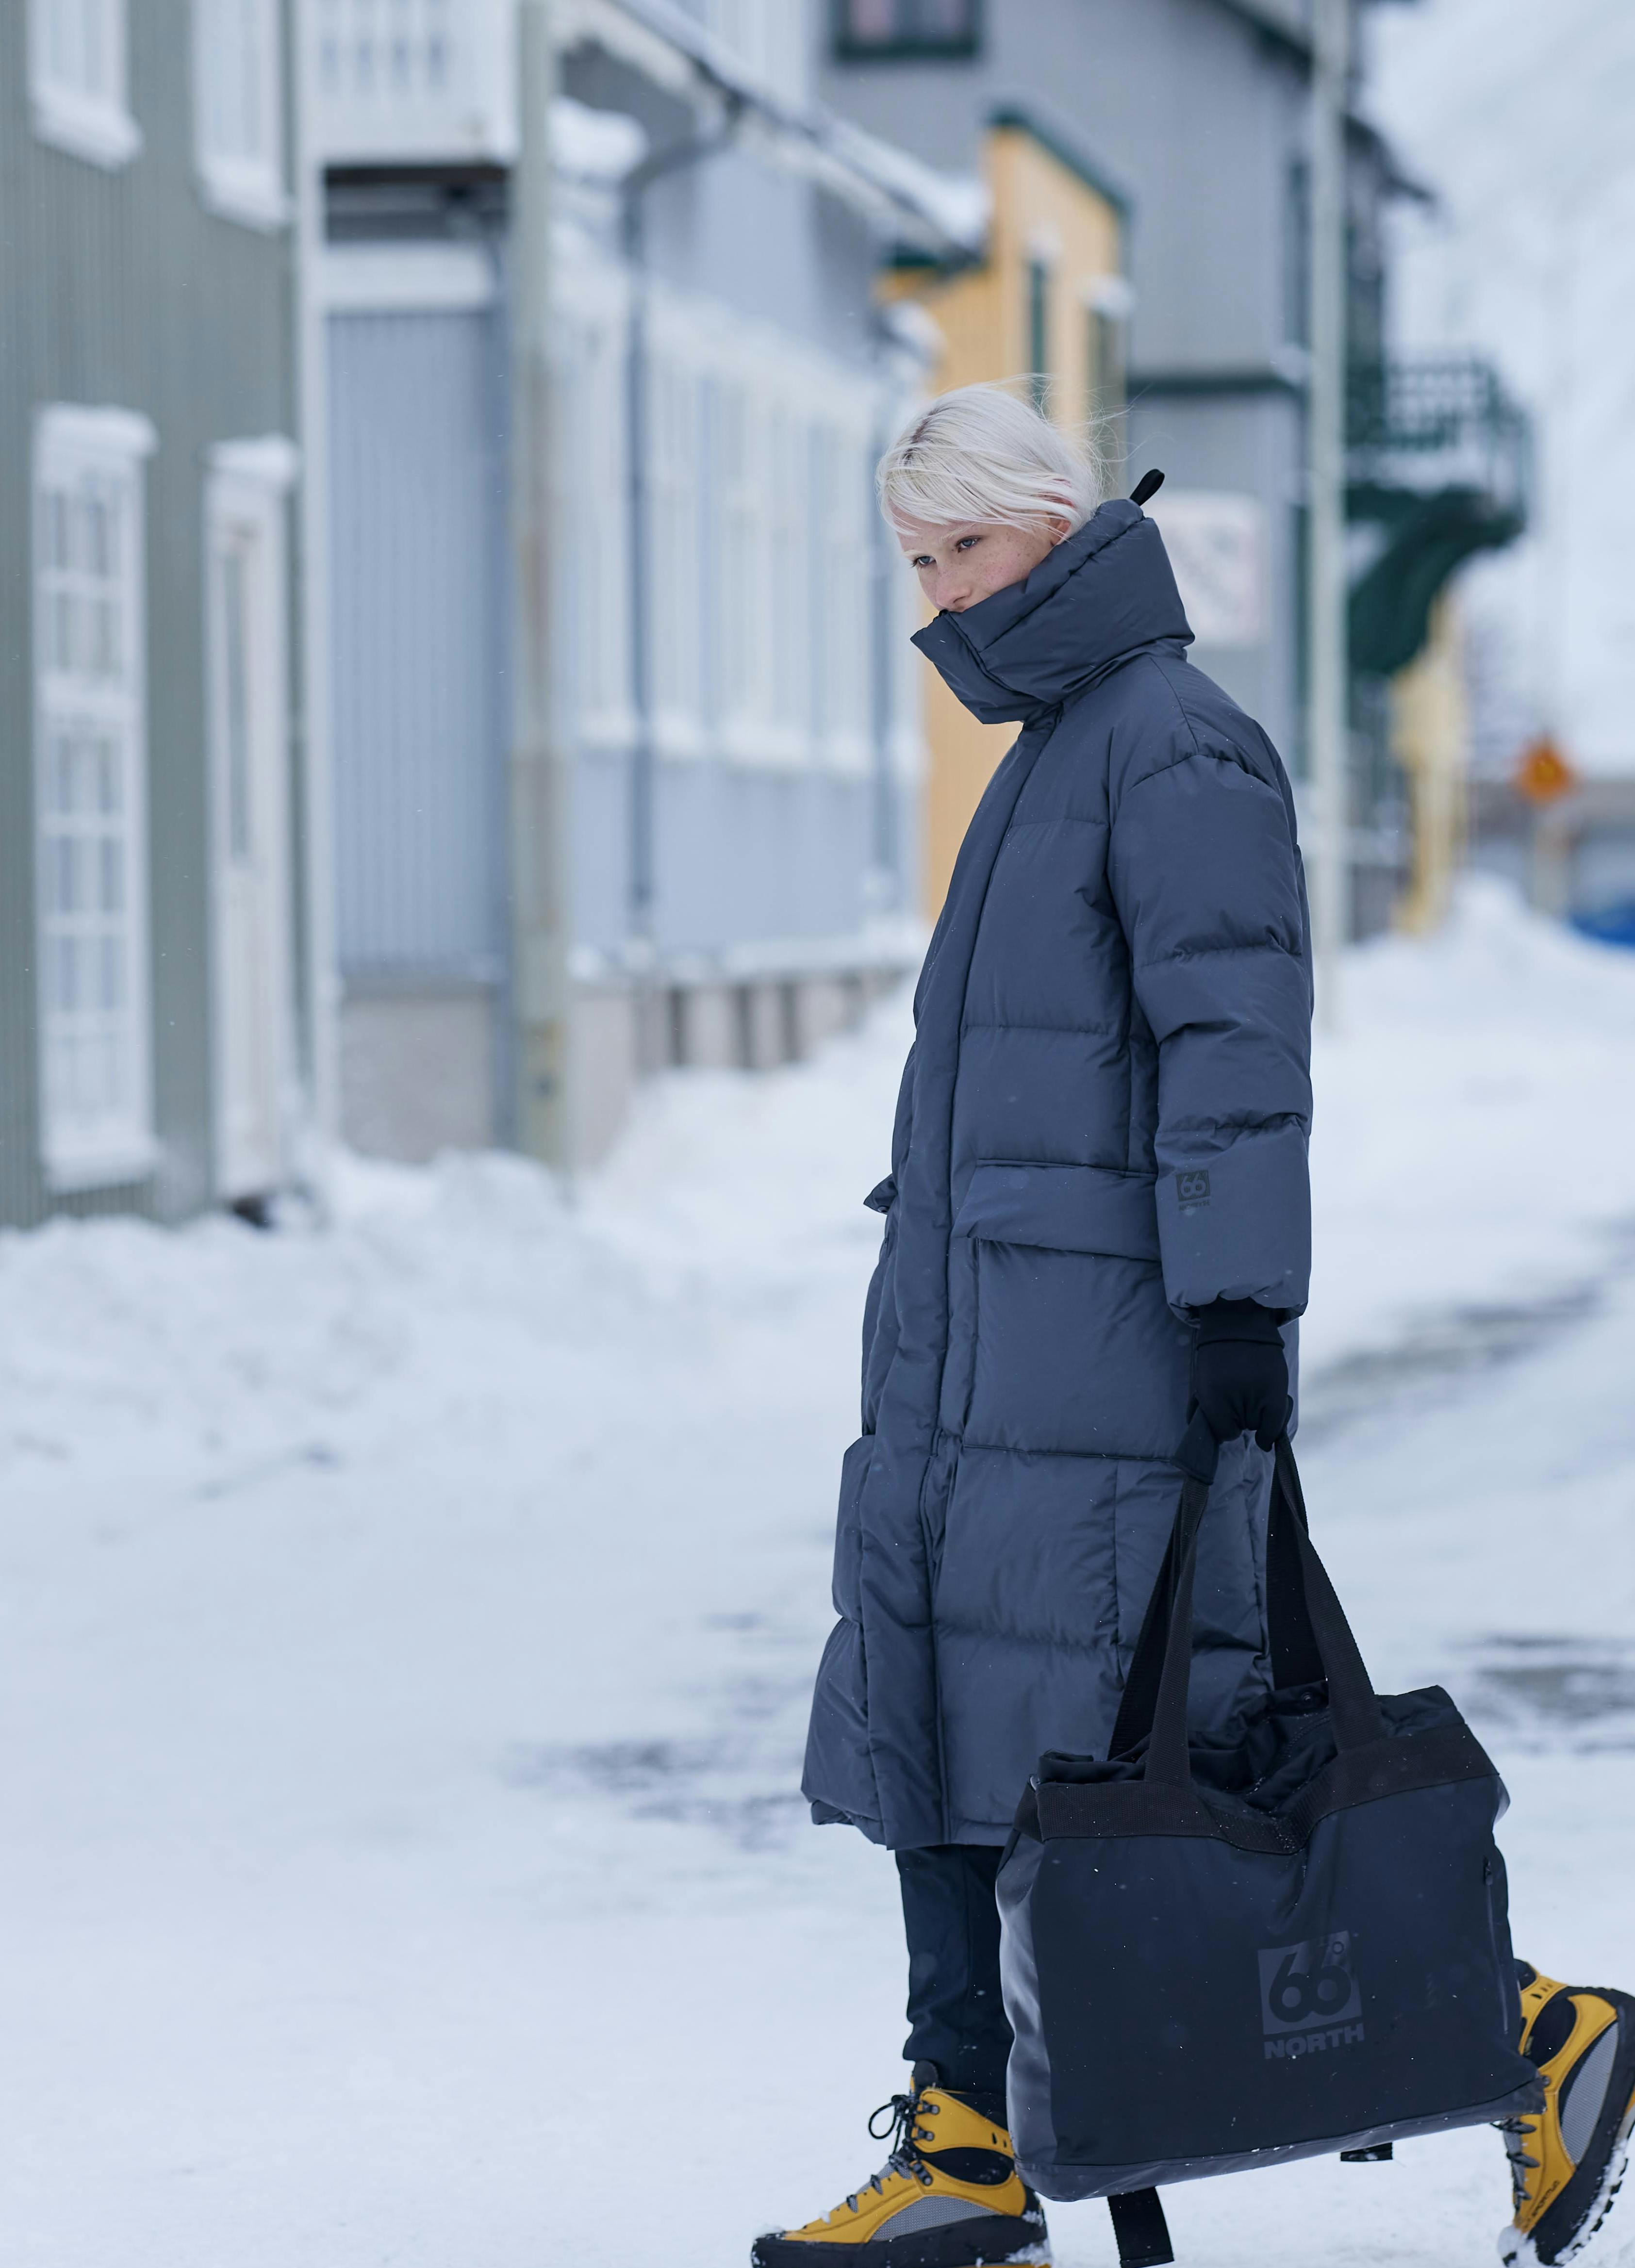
1097,1218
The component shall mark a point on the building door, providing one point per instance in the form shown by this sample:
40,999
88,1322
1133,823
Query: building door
250,821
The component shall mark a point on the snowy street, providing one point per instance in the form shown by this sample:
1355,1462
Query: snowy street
409,1624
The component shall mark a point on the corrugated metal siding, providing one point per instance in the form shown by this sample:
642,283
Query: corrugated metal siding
119,287
746,856
416,536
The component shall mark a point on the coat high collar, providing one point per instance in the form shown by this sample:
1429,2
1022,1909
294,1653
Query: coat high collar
1104,595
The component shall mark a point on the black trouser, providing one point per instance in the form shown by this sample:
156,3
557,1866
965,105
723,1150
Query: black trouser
956,2015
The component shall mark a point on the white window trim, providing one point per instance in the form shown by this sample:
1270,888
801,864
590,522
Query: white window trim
249,194
98,128
271,461
590,479
250,481
248,190
845,653
66,432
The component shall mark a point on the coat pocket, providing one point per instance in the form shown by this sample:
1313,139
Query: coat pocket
1062,1209
1073,1350
848,1579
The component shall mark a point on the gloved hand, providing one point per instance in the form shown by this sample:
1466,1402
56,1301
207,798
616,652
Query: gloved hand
1241,1372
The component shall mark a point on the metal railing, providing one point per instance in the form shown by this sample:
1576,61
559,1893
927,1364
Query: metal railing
1438,421
413,81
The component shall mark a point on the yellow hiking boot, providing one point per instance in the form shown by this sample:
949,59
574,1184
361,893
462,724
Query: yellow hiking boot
1567,2159
949,2196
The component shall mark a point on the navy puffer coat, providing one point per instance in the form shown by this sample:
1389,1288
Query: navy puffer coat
1101,1127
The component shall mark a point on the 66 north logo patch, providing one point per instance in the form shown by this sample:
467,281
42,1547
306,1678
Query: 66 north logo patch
1310,2000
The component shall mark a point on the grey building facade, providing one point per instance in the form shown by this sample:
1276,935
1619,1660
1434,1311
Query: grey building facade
153,1046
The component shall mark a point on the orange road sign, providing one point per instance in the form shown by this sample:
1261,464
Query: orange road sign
1542,773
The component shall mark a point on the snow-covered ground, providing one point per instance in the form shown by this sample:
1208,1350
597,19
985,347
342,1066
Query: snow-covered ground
408,1626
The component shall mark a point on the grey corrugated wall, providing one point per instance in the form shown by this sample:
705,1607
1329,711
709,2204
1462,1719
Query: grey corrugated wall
418,599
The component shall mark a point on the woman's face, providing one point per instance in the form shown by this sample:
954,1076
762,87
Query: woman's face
960,565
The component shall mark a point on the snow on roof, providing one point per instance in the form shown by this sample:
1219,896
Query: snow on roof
941,214
594,145
960,203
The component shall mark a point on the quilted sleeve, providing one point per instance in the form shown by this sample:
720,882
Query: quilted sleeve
1206,875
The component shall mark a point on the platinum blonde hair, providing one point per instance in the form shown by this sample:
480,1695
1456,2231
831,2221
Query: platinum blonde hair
982,453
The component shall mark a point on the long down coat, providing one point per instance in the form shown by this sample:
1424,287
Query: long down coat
1102,1127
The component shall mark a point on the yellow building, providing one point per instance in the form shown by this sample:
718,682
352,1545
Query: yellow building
1048,303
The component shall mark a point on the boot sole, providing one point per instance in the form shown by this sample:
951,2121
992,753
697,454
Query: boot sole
1007,2243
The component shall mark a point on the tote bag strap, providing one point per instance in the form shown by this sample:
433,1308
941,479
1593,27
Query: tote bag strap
1294,1657
1351,1698
1308,1620
1139,1697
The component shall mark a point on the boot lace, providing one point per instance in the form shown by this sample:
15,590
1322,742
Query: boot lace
902,2113
1516,2132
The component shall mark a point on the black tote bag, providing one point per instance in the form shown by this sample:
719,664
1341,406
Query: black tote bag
1218,1961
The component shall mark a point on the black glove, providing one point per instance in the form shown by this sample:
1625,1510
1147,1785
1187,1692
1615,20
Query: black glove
1241,1372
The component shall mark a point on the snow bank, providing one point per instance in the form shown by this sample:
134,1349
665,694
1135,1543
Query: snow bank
1473,1142
1473,1133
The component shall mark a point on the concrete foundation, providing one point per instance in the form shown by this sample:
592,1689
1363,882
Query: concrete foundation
822,1006
708,1026
417,1072
607,1061
418,1069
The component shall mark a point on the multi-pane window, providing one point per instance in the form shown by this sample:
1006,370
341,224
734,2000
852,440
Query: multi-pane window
867,30
90,799
236,108
76,78
755,562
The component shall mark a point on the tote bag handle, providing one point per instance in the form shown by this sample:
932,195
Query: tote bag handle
1309,1633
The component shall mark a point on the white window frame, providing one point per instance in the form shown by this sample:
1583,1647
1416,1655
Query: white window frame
843,671
591,604
742,628
245,184
92,121
75,708
675,593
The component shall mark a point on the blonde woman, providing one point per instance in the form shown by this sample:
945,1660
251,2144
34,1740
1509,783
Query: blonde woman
1097,1225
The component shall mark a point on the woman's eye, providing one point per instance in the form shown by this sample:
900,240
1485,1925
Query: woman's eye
925,560
966,541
